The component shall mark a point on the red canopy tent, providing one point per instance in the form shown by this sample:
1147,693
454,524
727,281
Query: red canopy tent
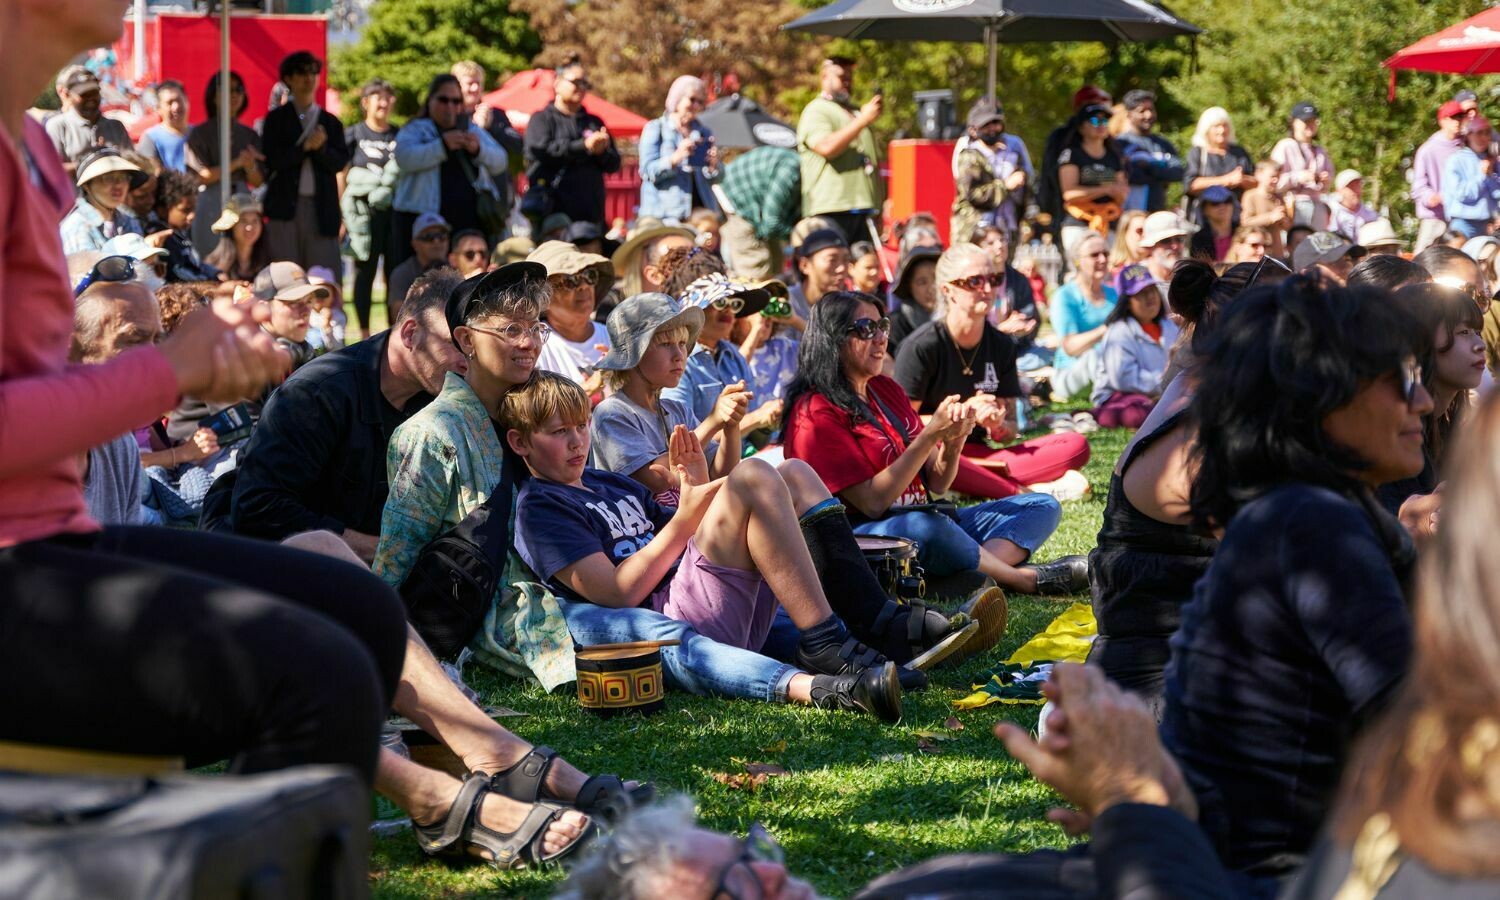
1469,48
526,92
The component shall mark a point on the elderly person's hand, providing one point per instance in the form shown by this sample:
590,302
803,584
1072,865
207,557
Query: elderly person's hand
1101,749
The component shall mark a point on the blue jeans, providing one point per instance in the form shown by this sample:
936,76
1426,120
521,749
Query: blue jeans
945,546
698,665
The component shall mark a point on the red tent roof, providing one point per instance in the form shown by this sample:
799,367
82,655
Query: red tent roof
526,92
1470,47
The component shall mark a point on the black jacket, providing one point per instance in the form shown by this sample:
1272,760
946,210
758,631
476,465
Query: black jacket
317,457
554,144
284,157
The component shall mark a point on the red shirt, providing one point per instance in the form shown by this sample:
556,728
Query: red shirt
820,434
50,411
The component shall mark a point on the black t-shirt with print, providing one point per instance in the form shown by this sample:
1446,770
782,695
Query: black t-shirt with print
930,366
1093,171
370,148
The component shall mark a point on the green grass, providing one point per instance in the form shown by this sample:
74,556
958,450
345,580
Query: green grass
860,798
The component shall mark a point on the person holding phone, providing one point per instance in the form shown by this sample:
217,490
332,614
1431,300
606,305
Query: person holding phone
679,160
837,148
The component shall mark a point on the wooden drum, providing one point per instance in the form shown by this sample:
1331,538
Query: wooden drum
894,561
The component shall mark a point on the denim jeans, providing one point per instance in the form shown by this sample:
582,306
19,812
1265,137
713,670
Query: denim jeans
945,546
698,665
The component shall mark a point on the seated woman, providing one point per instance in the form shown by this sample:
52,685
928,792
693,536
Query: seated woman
243,250
1148,554
959,353
1452,365
105,179
1133,355
1079,309
858,431
1307,399
915,293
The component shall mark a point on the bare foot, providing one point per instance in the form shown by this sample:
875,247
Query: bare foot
563,781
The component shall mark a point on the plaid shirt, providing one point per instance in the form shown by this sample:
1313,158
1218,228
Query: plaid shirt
84,227
765,186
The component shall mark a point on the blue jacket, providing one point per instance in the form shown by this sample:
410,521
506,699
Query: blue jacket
1153,164
1468,193
420,154
667,192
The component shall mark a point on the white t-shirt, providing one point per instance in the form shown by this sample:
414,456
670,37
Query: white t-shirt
569,358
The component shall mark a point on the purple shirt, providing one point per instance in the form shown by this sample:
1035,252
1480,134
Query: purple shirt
1427,173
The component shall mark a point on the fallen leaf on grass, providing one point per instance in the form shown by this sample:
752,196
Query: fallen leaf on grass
768,769
953,724
927,735
927,746
754,776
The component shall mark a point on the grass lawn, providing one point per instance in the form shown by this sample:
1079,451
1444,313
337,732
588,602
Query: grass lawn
860,799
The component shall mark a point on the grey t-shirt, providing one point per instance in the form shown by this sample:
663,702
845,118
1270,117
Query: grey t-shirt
112,487
73,135
627,438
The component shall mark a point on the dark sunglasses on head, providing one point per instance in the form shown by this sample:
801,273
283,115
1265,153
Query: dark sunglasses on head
866,329
979,282
577,280
1273,263
108,269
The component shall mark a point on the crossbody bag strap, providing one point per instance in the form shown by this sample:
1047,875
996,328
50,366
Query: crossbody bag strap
488,526
896,423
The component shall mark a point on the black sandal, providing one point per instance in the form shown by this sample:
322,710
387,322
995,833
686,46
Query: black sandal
604,796
934,636
451,838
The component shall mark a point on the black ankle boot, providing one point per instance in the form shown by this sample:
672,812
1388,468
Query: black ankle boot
875,691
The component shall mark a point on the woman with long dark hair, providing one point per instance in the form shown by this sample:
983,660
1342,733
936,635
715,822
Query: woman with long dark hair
858,431
1308,398
1091,177
245,160
243,250
1133,356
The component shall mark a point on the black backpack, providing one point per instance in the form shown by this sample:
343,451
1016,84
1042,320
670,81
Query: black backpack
449,590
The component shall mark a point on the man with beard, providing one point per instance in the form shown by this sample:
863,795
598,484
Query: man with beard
81,127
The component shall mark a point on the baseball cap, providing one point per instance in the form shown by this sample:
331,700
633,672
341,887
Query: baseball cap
1304,111
429,220
1216,194
709,289
1450,110
132,245
81,81
1465,96
1344,178
1319,247
284,281
582,233
1133,279
633,323
239,204
456,309
985,112
1160,226
1090,95
821,239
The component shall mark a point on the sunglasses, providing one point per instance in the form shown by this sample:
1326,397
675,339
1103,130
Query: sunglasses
1097,121
110,269
866,329
979,282
472,254
738,880
577,279
451,101
734,304
1275,264
1411,379
515,331
583,84
433,237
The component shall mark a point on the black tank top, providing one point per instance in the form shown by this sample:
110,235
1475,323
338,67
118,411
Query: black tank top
1141,573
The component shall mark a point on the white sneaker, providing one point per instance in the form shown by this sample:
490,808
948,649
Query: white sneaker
1072,486
1085,423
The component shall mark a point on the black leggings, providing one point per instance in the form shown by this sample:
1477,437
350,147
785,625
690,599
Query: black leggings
364,269
162,642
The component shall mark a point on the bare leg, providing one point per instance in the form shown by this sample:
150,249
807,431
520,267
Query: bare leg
426,795
752,525
1001,560
806,487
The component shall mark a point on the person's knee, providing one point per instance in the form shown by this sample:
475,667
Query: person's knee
755,478
804,482
1076,448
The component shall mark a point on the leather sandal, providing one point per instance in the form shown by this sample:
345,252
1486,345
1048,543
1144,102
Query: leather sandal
452,838
603,795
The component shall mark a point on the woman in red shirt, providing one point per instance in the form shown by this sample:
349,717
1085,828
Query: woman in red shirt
858,431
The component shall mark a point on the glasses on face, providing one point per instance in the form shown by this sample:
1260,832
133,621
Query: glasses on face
867,329
1273,263
1479,297
577,280
733,304
1098,121
515,331
433,237
108,269
451,101
977,283
738,880
472,255
1411,379
583,84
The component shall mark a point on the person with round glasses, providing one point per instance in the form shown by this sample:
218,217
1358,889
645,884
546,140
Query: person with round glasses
578,340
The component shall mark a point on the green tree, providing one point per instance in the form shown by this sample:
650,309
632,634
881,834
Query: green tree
409,41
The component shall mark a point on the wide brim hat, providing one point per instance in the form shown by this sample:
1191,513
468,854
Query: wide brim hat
562,258
132,245
94,165
456,307
628,251
637,319
1378,233
705,291
908,263
1162,225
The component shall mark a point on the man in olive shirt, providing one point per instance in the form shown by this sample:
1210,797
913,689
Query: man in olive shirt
838,153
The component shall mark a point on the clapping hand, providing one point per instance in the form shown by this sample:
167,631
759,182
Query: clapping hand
689,471
733,403
991,416
1015,180
222,355
952,420
455,139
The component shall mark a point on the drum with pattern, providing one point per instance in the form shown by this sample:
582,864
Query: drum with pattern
894,561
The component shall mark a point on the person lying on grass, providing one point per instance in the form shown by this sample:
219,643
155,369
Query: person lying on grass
628,569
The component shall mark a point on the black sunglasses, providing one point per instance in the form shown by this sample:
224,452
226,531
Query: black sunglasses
866,329
108,269
583,84
1260,267
452,101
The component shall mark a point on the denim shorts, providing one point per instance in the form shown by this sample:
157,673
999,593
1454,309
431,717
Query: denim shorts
945,546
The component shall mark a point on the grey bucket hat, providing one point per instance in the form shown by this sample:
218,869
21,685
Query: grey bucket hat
637,318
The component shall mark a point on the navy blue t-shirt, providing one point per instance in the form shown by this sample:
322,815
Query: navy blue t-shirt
558,525
1294,638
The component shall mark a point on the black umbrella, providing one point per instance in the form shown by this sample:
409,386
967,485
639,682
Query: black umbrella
1011,21
739,122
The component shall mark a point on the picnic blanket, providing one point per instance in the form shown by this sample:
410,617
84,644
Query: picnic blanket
1020,678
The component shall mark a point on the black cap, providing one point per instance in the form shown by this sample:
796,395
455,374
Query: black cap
463,296
1304,111
821,239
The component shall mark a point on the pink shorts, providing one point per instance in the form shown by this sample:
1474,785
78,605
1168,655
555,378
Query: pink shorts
731,606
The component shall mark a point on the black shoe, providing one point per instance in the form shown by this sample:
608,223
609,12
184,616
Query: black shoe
850,658
1066,575
875,690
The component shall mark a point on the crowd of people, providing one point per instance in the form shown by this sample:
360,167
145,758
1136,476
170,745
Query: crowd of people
681,431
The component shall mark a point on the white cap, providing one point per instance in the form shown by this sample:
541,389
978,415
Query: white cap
1160,226
1345,177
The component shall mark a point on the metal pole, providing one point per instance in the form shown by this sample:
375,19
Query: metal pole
989,46
140,42
226,112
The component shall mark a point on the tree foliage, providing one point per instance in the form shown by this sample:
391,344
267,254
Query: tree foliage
409,41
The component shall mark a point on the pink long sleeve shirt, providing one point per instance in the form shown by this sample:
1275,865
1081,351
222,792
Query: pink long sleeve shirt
51,411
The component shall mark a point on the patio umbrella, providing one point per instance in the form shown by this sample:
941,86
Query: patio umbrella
738,123
991,21
1471,47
